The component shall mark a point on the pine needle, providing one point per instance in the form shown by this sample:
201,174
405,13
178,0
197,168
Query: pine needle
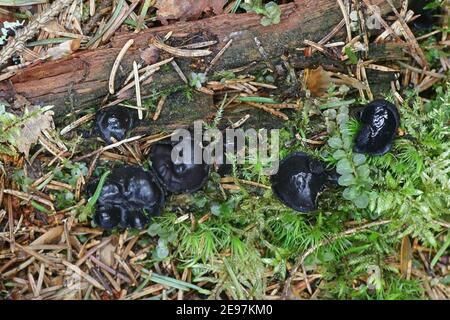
29,31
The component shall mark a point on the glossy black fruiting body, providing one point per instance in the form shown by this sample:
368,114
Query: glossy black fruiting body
380,121
183,177
299,181
115,122
129,197
428,17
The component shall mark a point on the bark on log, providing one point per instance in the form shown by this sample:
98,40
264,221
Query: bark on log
81,80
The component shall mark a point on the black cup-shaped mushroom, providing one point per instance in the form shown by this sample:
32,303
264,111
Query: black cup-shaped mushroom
115,122
428,16
299,181
380,121
129,197
181,174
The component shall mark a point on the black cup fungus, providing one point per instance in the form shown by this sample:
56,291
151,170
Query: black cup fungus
115,122
380,120
428,17
182,176
129,197
299,181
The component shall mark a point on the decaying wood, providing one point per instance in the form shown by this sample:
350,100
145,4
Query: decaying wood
81,80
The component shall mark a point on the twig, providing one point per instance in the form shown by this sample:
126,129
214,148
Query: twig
148,71
199,45
40,278
92,251
36,255
99,276
28,197
116,64
11,225
274,112
442,223
332,33
305,276
409,36
13,271
218,56
33,286
77,123
149,290
159,108
110,270
381,20
179,71
67,240
240,122
179,52
91,23
346,19
137,85
247,182
111,146
83,274
428,73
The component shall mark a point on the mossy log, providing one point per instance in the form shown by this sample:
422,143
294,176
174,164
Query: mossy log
81,80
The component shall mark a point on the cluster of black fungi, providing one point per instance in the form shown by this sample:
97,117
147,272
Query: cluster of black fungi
131,195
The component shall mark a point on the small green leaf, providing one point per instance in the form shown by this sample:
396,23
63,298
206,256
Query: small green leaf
273,12
216,209
162,252
347,141
154,229
350,193
352,57
359,159
362,201
346,180
342,118
330,114
335,142
266,21
363,171
339,154
343,109
344,167
247,7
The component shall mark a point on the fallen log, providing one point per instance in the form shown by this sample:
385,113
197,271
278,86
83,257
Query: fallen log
81,80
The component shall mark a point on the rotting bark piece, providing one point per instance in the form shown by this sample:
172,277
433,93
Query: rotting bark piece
82,79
